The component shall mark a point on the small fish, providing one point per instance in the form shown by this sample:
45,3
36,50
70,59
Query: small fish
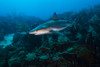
52,26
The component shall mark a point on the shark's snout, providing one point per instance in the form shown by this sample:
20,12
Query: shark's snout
32,32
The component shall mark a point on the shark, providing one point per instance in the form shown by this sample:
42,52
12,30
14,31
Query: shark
54,25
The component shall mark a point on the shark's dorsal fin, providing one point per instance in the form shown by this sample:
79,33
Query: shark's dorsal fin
55,16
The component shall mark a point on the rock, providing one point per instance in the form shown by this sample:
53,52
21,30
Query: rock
55,58
15,62
30,56
44,57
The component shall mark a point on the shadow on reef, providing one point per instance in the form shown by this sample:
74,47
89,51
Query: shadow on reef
79,48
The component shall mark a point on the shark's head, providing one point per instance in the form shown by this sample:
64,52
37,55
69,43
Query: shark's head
39,30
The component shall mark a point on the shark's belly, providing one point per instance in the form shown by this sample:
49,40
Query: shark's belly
58,29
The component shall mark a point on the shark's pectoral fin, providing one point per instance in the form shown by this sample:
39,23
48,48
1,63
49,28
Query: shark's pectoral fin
57,32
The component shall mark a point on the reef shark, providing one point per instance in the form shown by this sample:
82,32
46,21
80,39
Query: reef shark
52,26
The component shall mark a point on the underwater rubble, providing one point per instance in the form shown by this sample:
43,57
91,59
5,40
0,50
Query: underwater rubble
79,48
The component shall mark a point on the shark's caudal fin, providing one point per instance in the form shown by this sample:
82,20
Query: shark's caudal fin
55,16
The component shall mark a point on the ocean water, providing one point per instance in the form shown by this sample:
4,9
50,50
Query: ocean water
49,33
43,8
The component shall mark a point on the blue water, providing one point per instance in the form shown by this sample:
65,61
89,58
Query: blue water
43,8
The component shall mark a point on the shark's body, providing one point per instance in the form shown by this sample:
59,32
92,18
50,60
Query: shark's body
50,27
